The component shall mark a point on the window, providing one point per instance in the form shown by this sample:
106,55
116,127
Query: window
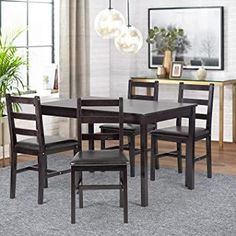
37,42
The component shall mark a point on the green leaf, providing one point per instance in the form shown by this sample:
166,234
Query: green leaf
10,66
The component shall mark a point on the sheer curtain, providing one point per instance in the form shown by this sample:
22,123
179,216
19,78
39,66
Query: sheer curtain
74,52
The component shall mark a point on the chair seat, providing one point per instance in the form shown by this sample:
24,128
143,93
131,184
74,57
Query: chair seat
180,131
99,158
128,128
51,142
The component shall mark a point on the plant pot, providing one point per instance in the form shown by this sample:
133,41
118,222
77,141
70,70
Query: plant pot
167,61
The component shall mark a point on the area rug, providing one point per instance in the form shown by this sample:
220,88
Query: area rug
209,210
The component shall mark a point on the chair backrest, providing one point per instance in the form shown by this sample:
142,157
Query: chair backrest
208,102
96,116
36,116
148,85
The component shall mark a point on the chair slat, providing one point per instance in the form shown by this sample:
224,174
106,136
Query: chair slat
201,116
100,102
23,116
196,88
142,84
142,97
100,119
198,101
22,100
27,132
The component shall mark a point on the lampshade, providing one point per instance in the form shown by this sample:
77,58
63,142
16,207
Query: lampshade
109,23
130,40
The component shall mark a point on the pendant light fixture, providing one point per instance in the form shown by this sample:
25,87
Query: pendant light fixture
131,39
109,23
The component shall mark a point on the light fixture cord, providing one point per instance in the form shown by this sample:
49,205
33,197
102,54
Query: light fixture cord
128,15
110,5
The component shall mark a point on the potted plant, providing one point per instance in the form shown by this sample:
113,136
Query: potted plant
10,81
166,41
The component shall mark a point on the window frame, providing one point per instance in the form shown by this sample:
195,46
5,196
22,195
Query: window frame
27,46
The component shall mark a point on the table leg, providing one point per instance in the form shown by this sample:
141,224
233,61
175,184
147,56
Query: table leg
91,141
221,117
234,112
144,162
189,173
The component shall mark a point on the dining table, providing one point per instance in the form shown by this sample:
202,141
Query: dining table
142,113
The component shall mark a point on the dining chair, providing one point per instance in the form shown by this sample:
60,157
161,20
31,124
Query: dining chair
99,160
179,133
132,130
36,144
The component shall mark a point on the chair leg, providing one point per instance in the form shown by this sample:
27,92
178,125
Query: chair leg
13,174
46,168
153,157
132,155
125,197
179,158
157,162
80,191
41,178
121,190
73,188
209,164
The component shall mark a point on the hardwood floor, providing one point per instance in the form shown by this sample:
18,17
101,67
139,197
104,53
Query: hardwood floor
224,161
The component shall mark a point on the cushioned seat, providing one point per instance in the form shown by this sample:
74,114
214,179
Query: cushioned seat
128,128
180,131
100,157
51,142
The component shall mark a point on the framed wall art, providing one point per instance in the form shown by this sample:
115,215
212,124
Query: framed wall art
201,44
176,69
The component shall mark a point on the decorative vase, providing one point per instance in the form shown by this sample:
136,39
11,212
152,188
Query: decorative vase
161,72
167,61
201,73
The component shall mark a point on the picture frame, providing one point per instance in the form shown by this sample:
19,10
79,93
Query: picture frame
176,69
204,28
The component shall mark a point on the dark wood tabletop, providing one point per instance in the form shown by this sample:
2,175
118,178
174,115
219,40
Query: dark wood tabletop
67,108
143,113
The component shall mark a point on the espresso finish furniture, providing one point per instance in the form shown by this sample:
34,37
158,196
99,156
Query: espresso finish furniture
179,133
142,113
38,145
221,83
99,160
131,130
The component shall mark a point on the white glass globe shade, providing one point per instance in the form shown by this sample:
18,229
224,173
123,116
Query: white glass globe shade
109,23
130,40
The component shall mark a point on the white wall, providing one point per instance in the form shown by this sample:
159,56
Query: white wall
99,55
111,70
